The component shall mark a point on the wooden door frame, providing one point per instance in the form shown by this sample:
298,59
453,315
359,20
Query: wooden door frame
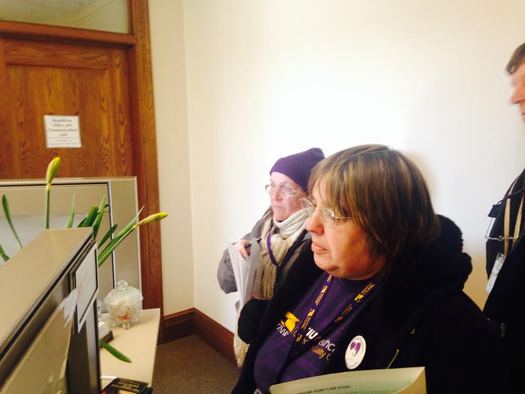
143,131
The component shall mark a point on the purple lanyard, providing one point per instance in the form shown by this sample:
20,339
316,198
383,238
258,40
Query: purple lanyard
288,253
301,340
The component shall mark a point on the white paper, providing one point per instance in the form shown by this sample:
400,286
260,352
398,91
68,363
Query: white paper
378,381
62,131
247,272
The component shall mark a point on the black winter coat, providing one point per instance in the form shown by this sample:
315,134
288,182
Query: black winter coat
418,317
505,304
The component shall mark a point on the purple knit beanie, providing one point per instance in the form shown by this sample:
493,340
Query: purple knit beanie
298,166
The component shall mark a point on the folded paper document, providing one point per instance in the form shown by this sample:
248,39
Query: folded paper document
377,381
247,272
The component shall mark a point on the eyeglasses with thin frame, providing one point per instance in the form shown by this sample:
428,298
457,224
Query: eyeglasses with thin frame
499,237
286,190
326,214
496,207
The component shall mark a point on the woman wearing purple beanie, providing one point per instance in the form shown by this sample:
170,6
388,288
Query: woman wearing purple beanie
279,237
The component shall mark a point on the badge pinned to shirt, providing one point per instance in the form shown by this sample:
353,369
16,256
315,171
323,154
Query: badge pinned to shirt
355,352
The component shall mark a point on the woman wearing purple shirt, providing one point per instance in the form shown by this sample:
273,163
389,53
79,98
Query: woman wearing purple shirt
382,287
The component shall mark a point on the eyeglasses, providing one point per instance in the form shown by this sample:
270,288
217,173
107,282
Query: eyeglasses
327,215
499,237
286,190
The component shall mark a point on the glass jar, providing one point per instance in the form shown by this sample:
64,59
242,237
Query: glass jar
124,305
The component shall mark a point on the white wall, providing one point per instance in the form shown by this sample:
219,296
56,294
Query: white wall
268,78
167,47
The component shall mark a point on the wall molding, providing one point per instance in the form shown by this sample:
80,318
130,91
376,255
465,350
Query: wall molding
177,325
194,322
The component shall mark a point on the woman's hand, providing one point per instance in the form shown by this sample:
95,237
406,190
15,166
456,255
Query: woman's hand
243,246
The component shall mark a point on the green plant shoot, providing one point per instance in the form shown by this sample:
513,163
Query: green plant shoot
52,170
7,213
71,213
121,236
2,254
107,236
114,352
98,218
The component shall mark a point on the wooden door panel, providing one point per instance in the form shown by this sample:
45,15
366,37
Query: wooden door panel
42,53
121,120
96,91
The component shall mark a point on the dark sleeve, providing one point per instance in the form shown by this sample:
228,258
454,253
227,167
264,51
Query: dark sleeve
250,318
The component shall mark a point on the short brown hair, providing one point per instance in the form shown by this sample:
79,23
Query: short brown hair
384,192
517,58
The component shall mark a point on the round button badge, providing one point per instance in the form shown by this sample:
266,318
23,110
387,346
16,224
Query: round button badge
355,352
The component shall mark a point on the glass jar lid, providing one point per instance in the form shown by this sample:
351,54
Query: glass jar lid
123,294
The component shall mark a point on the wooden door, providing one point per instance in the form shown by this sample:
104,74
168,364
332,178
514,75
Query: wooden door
43,78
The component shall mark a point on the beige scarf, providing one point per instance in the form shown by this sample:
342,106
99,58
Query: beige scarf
284,235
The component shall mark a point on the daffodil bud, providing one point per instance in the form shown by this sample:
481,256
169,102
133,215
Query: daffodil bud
52,170
152,218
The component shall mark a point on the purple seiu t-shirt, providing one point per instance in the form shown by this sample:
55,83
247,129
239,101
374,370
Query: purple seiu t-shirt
307,360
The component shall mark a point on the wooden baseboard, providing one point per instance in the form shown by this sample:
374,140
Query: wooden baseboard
214,334
177,325
193,321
